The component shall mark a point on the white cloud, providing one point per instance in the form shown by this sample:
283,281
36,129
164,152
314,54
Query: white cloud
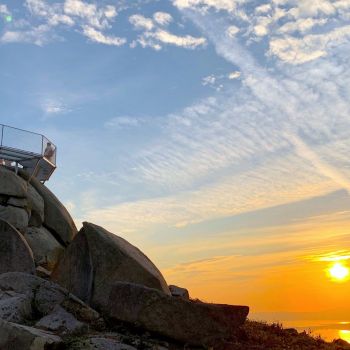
302,25
263,8
141,22
162,18
155,36
232,31
310,47
228,5
123,122
210,79
186,41
296,31
52,107
39,36
99,37
4,10
234,75
88,18
98,17
52,13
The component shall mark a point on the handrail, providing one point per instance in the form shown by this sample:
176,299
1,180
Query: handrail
27,141
13,127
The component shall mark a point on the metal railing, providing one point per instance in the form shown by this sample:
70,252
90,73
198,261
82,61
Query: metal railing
20,144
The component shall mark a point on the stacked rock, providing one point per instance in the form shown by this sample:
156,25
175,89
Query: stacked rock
37,216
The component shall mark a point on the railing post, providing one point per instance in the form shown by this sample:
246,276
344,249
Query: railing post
2,134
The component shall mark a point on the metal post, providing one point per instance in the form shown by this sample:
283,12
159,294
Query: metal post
2,134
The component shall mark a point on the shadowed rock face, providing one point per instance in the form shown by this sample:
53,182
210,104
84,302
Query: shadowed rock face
56,218
34,211
15,253
187,321
97,258
17,337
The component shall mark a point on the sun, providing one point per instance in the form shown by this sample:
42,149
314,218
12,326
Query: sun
338,271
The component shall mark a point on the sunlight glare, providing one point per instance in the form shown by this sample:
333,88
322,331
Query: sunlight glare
345,335
338,271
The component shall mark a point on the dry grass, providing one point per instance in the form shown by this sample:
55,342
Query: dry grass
262,336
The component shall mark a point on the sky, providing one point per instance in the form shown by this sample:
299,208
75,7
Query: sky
212,134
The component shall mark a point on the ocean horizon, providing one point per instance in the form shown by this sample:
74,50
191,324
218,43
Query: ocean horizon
326,329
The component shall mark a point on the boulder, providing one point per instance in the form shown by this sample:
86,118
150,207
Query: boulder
75,270
100,343
61,322
11,184
179,292
46,249
45,296
15,253
36,206
57,219
17,337
18,217
17,202
96,259
189,322
15,307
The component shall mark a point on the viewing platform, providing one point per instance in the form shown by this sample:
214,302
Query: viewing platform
31,151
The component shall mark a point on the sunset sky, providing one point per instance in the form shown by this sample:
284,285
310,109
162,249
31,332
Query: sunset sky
212,134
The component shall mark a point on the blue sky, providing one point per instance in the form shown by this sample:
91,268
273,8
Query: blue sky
197,129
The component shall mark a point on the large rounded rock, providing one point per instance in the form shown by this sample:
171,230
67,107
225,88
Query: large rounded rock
17,337
18,217
96,259
12,185
57,219
45,247
185,321
15,254
36,207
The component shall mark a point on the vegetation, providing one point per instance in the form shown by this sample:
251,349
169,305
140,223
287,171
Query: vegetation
262,336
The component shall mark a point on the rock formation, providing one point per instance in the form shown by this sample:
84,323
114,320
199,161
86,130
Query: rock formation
90,275
33,210
98,290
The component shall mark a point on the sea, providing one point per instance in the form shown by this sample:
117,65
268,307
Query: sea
327,329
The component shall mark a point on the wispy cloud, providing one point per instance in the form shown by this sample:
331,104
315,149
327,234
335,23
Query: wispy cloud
53,107
98,37
89,19
279,138
154,34
123,122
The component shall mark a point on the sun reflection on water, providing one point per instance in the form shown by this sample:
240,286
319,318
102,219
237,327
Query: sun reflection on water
345,335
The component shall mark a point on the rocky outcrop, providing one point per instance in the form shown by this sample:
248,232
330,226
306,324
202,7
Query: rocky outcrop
33,210
57,219
45,247
18,217
18,337
179,292
15,253
62,322
96,259
186,321
101,343
10,185
94,269
44,297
